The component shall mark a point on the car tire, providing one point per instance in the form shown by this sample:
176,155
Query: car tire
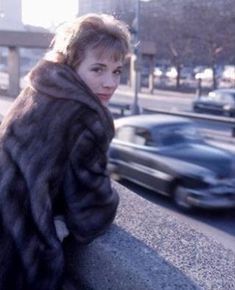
180,198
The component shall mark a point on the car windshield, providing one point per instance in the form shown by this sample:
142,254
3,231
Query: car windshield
176,134
222,96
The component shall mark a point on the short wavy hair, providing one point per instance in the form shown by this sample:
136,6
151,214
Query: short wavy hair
91,31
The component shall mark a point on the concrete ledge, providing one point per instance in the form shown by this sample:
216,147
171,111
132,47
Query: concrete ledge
148,249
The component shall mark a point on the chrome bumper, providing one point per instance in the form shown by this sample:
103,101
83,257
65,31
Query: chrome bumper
213,203
221,195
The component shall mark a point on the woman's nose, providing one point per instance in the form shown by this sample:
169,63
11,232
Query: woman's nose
109,81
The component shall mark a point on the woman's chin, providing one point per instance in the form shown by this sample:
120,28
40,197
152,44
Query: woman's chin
105,103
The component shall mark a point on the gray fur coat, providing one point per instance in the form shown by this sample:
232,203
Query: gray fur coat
53,145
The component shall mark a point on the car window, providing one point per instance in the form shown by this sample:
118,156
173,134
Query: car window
143,137
172,135
214,96
203,98
222,97
227,98
135,135
125,134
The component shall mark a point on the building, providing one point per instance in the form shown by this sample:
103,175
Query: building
98,6
10,15
106,6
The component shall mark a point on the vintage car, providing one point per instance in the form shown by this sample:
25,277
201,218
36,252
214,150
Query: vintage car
167,154
220,102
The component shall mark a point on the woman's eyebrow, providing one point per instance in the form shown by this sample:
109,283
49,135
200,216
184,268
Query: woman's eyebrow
105,65
100,64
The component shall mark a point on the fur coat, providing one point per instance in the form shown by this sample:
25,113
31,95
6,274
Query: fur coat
53,157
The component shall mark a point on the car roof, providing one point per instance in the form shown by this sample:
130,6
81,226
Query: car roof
151,120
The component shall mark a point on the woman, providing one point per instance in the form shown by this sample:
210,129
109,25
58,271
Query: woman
53,146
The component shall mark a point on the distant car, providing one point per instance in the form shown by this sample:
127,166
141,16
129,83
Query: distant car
221,101
166,154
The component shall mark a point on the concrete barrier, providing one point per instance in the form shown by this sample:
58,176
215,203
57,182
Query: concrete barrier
147,249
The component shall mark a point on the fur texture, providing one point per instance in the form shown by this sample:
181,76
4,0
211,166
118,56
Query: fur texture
53,146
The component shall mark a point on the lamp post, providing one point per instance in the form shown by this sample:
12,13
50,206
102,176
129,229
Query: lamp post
135,108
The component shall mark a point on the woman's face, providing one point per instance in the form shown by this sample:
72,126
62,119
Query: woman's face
100,73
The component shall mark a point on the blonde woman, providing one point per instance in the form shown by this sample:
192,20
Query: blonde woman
53,146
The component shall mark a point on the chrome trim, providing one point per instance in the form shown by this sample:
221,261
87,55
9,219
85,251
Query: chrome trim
152,172
145,169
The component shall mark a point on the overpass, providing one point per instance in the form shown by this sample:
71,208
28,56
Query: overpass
13,40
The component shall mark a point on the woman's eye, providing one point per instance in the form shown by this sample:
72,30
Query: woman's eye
97,69
118,72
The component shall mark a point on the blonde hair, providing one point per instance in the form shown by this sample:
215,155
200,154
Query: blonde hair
91,31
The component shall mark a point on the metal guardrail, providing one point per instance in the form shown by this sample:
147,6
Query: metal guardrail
119,108
123,108
227,120
223,120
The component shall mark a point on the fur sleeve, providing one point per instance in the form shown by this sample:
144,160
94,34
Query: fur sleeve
90,201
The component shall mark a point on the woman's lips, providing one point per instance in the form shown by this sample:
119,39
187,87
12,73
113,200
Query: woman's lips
104,97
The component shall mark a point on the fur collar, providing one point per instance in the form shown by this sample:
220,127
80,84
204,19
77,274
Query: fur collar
60,81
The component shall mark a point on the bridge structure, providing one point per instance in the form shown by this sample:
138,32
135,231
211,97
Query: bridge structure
14,40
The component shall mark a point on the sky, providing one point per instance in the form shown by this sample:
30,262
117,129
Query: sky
48,13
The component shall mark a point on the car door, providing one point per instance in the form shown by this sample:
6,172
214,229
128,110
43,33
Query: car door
121,150
137,159
226,104
126,149
220,101
151,167
141,165
216,103
205,104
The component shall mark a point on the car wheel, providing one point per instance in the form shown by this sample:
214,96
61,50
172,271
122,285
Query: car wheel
180,197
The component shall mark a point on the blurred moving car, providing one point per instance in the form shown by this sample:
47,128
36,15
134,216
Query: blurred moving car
221,101
166,154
